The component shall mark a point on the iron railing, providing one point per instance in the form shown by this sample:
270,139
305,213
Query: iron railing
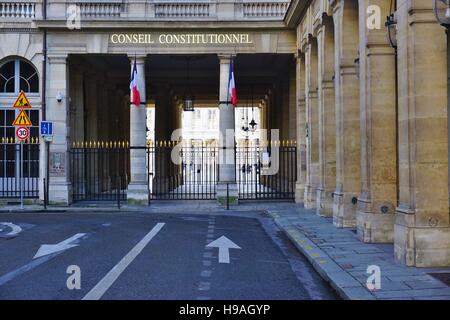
182,172
266,171
18,173
100,171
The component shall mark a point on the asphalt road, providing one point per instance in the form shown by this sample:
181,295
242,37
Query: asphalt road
152,256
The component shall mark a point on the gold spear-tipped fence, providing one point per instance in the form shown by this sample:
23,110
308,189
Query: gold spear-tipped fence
100,144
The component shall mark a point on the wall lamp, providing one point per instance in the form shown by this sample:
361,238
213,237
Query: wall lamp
441,10
391,28
59,97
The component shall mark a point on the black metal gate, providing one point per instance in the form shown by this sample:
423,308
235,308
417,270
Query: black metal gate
181,171
266,172
100,171
13,178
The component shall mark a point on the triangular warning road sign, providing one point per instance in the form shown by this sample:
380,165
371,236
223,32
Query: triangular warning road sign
22,120
22,101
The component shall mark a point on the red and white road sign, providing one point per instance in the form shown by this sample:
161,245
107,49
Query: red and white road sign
22,133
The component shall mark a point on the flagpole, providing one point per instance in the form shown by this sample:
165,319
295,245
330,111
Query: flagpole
228,85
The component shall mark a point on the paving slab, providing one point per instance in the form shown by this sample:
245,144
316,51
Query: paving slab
342,259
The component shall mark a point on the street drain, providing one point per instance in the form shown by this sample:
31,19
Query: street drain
444,277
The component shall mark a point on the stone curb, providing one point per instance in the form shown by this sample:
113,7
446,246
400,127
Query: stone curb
345,285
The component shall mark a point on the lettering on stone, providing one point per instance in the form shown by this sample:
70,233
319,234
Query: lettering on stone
180,38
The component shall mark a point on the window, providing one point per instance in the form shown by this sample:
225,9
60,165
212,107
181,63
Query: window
17,75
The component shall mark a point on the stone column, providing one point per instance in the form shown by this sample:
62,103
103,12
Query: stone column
227,174
421,231
163,131
91,110
292,121
60,191
345,17
312,116
327,119
138,187
378,198
77,123
301,128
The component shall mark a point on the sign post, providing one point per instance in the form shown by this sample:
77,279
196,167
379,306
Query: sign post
22,133
21,174
22,121
46,129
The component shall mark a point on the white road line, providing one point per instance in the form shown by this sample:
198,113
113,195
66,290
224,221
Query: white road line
15,229
99,290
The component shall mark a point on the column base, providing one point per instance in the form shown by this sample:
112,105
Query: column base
420,246
59,193
375,223
137,193
310,197
375,227
324,202
299,192
344,210
233,193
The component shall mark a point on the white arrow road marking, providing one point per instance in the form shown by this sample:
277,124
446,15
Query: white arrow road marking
47,249
99,290
224,244
15,229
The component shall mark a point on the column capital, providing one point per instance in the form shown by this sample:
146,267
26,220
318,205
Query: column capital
225,58
317,27
335,5
140,59
57,59
299,56
305,45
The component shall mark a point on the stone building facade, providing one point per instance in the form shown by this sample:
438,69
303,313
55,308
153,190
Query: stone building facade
369,117
377,141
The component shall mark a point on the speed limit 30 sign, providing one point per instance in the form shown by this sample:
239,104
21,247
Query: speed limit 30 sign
22,133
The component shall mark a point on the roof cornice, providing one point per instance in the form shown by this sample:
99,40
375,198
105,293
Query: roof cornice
295,12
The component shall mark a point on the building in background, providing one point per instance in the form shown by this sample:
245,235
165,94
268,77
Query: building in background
361,109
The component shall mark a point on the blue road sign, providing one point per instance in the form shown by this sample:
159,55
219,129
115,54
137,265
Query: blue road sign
46,128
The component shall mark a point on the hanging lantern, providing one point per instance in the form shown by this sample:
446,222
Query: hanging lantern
442,12
244,126
188,103
253,122
244,123
188,98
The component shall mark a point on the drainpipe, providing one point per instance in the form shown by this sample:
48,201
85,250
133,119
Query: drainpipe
43,102
44,67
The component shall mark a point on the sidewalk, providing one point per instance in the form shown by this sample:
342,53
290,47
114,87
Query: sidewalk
158,206
342,259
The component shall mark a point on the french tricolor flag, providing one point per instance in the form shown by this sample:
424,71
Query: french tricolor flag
134,91
232,85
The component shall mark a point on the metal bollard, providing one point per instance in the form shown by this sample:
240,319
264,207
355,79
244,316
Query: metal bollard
45,195
228,196
118,193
